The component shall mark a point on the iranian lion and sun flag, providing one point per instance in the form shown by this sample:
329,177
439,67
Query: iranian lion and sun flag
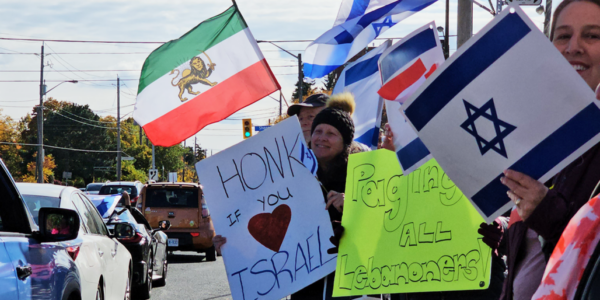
201,78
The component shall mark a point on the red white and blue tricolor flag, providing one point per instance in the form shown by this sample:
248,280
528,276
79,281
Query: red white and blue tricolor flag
408,63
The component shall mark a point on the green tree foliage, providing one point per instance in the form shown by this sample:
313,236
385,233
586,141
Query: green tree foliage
76,126
11,154
330,81
307,88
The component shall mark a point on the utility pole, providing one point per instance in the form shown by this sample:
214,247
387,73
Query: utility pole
447,33
118,129
280,100
153,161
40,123
300,78
547,16
465,21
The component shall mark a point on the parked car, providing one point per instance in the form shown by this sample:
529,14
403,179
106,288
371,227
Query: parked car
93,188
148,247
35,262
183,204
104,264
134,189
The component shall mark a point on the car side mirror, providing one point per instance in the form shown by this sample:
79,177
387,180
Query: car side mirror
58,224
124,231
164,225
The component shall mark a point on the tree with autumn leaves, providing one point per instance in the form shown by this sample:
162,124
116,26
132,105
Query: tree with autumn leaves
74,126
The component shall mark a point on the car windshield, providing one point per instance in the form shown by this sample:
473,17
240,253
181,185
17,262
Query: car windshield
35,203
118,189
175,197
93,187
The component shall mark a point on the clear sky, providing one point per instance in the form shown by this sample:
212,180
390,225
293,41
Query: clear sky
161,21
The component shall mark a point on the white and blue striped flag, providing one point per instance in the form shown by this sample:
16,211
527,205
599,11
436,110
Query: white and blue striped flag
361,78
507,99
358,23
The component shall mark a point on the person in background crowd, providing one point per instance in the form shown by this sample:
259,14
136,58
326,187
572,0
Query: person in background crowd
307,111
541,214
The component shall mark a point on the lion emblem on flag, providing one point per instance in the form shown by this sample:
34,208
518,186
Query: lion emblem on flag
198,73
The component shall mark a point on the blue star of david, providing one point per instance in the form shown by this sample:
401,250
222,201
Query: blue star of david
387,22
502,129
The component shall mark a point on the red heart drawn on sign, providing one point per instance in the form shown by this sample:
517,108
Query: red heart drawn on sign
269,229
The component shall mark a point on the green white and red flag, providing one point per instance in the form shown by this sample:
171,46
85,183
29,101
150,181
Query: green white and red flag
201,78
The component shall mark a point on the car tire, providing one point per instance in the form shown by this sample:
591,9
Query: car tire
163,280
211,254
128,287
145,290
100,292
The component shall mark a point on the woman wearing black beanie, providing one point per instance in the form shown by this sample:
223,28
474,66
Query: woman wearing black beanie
331,141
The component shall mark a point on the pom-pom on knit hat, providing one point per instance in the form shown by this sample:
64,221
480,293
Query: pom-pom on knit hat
338,114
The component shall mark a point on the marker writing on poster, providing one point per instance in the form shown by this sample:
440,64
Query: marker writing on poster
447,268
253,169
273,199
281,268
237,214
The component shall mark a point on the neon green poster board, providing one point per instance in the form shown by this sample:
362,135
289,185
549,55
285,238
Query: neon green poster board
404,234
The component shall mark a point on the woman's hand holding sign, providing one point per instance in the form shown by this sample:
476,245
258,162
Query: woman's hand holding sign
336,199
218,242
525,192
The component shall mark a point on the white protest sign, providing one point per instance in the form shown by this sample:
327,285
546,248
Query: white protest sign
272,211
507,99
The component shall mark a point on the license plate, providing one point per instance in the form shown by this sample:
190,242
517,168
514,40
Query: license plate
173,242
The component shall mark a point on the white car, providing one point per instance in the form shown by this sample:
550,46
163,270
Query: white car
104,264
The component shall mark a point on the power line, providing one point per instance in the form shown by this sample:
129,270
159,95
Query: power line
53,70
63,148
136,42
89,80
84,53
86,119
93,125
79,41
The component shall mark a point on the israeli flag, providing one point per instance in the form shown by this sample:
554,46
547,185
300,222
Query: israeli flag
361,78
308,158
358,23
507,99
410,150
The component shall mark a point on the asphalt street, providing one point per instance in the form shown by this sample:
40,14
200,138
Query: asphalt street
190,276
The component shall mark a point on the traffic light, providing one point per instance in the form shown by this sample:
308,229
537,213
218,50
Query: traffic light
247,128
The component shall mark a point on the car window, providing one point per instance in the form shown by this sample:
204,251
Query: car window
96,217
35,203
118,189
175,197
85,214
93,187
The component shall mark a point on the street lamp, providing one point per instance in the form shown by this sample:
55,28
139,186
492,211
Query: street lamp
48,91
40,123
445,46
